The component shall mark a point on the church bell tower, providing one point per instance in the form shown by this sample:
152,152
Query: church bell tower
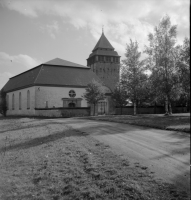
105,62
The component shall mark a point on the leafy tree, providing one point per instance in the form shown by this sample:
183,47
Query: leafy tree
132,74
183,66
185,52
119,95
3,106
94,93
162,57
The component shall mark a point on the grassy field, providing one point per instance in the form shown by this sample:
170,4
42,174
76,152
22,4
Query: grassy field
43,159
179,122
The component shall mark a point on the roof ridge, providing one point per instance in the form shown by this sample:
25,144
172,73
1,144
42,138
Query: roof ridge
62,62
25,71
83,67
38,73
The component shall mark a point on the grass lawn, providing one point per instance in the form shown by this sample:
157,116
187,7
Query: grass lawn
43,159
179,122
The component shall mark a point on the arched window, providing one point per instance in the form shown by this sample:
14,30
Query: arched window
28,99
20,100
13,101
7,102
71,105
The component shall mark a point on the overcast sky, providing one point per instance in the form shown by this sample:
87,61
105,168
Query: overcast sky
36,31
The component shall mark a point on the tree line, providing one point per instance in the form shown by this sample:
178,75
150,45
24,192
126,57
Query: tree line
168,64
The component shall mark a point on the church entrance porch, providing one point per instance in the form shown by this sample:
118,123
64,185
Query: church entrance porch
71,102
71,105
102,107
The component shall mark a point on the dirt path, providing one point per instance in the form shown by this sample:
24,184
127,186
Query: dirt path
83,159
165,153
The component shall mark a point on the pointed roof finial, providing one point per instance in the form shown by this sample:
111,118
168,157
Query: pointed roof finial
103,29
103,42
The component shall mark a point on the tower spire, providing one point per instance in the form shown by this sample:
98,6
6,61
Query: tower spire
103,29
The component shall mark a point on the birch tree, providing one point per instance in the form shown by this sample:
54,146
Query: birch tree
120,96
183,66
162,56
133,76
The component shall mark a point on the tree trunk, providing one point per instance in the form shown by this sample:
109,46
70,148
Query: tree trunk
155,108
166,106
188,105
170,108
137,107
134,110
94,109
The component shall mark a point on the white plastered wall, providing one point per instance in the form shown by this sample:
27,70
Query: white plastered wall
54,96
24,110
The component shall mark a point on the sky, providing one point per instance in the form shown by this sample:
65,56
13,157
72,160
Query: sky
36,31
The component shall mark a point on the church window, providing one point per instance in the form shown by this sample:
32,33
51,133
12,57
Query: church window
19,100
72,93
28,99
13,101
46,104
71,105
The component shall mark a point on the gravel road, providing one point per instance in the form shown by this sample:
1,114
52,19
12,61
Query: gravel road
165,153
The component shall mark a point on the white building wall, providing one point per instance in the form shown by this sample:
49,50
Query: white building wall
38,97
24,110
54,96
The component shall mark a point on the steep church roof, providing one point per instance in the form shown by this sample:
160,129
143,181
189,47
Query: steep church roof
56,72
61,62
103,43
103,48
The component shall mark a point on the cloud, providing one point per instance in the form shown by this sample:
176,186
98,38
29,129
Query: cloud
15,64
22,7
122,19
24,60
52,29
4,77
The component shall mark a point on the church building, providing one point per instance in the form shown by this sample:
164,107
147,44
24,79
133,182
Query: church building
56,88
